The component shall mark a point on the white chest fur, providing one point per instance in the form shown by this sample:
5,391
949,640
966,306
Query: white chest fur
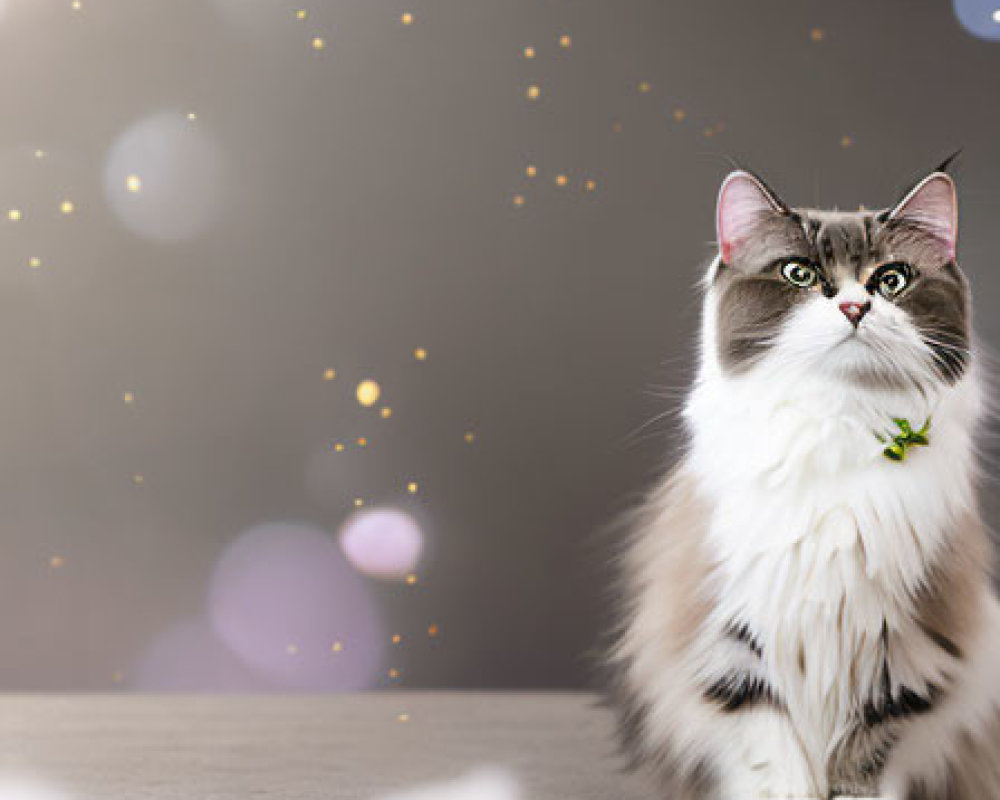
821,541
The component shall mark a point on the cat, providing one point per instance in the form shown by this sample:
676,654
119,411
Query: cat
807,602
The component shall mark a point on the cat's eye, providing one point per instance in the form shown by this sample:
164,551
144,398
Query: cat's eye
800,274
892,280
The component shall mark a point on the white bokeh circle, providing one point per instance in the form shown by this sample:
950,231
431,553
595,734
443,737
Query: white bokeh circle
163,178
382,543
20,787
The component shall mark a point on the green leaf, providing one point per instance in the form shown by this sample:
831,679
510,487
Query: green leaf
895,453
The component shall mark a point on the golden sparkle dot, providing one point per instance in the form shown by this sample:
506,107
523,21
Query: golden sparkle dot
368,392
329,374
679,114
411,579
292,649
318,43
403,717
533,92
76,5
138,479
362,441
67,207
133,183
420,354
470,437
118,677
529,52
406,18
561,180
645,86
531,170
396,638
590,184
433,631
129,398
34,262
339,447
518,200
393,674
56,561
412,487
565,40
301,14
616,127
14,215
336,647
192,116
816,34
846,141
385,412
39,154
358,502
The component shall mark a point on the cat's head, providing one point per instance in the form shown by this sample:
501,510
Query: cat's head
873,298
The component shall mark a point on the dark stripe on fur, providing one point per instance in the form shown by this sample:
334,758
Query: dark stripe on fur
741,632
942,641
907,703
735,692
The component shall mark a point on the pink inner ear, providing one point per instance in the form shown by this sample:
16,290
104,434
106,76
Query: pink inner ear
932,205
742,202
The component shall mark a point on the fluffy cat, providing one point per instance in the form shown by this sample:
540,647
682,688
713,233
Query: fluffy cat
808,605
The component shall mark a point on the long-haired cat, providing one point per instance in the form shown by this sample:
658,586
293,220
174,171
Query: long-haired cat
808,604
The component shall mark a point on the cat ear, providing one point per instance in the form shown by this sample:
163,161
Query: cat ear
743,200
932,206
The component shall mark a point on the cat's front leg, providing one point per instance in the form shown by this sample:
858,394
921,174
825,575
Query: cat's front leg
763,758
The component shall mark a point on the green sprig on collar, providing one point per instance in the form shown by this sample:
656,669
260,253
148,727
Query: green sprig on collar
905,439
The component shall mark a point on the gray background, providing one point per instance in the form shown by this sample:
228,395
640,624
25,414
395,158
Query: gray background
365,208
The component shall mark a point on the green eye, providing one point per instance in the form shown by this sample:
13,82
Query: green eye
892,281
799,274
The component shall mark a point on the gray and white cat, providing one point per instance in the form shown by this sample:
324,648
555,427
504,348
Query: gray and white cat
808,605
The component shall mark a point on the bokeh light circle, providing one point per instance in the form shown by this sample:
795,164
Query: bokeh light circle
163,178
283,598
368,392
383,543
485,783
19,787
980,17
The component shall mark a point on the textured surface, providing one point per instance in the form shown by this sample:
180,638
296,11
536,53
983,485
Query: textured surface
556,746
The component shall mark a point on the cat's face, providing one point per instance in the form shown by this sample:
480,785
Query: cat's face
872,298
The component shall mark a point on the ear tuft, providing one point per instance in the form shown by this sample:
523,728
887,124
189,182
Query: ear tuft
743,200
933,207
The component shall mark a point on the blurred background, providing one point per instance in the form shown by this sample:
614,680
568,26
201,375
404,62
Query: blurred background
334,333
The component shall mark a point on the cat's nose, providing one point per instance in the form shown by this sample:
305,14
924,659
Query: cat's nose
855,311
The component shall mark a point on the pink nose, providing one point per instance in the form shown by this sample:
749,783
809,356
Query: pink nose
855,311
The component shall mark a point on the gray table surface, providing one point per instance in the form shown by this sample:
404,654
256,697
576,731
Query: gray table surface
554,746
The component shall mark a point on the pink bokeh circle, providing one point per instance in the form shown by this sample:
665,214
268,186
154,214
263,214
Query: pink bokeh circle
383,543
285,601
